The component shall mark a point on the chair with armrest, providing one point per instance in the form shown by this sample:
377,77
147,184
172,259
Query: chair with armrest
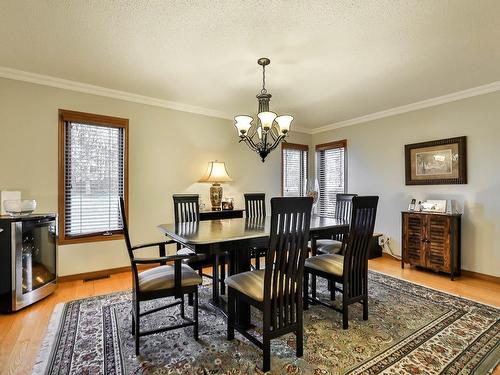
187,209
159,282
277,289
255,207
351,268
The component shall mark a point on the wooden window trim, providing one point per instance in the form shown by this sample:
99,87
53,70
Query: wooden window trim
331,146
97,120
294,146
336,144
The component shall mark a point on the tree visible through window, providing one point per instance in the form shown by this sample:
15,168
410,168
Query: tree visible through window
331,174
93,176
294,169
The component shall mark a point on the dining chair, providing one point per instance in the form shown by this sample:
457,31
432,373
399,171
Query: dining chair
333,244
187,209
255,207
276,290
350,269
161,281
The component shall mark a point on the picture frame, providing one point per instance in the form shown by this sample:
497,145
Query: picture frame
438,206
440,162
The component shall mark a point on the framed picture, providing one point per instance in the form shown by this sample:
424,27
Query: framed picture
440,162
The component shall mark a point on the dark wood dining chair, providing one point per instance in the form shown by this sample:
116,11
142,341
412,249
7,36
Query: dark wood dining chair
350,269
333,245
276,290
162,281
187,209
255,207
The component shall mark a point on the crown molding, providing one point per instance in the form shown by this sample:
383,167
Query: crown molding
60,83
464,94
40,79
296,129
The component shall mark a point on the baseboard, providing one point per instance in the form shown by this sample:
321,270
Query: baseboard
482,276
476,275
99,274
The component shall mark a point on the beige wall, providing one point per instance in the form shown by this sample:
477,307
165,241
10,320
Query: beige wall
376,166
169,151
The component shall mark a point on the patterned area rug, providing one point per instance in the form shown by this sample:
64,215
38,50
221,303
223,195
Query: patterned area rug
411,330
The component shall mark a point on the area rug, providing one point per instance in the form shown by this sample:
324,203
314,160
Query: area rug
411,330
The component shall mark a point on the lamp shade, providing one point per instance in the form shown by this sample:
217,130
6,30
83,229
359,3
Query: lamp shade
284,123
243,123
216,172
266,119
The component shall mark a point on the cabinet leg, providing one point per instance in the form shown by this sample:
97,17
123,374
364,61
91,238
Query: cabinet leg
402,264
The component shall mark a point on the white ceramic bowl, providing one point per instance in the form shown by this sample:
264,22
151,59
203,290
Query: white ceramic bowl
19,207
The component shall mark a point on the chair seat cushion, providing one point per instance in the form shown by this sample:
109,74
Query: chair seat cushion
162,277
329,263
185,251
250,283
195,259
328,246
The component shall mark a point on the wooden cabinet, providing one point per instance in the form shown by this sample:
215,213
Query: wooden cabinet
432,241
221,214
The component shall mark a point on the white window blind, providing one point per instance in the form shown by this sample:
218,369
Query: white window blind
93,179
294,173
331,176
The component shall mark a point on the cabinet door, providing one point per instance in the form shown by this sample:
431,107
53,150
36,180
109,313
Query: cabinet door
438,243
413,239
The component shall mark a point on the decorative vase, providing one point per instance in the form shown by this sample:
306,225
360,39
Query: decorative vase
216,196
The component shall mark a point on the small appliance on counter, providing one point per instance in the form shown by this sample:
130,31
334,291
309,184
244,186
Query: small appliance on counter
28,246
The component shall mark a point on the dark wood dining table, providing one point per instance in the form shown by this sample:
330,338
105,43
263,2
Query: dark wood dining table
235,237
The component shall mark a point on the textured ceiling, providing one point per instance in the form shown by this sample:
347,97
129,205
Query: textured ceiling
331,60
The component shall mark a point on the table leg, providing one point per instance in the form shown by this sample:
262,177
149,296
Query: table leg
242,264
215,280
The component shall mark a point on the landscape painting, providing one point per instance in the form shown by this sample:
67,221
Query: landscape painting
436,162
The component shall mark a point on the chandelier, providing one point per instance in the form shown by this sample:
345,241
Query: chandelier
269,130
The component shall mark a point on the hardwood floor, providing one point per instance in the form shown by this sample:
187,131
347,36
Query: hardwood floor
21,333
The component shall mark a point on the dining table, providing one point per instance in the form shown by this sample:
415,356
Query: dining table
234,238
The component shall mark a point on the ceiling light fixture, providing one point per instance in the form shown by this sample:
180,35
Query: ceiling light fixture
269,130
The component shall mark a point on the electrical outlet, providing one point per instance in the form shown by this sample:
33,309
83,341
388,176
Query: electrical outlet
383,240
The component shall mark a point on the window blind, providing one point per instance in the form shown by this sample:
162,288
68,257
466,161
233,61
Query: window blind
294,170
331,176
93,179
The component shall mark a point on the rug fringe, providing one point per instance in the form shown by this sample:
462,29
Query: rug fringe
47,347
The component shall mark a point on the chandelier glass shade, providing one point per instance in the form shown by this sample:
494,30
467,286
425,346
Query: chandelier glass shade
269,130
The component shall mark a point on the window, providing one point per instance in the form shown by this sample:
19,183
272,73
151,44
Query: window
93,159
331,172
293,169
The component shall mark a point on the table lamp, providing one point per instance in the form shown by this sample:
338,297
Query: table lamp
216,173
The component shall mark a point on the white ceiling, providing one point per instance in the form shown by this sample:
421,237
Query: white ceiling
330,60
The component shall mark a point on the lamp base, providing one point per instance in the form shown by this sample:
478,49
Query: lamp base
216,197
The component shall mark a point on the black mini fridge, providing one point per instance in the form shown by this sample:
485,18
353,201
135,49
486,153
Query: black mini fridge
28,260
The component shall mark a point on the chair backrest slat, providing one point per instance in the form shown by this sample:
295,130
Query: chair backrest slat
284,271
255,204
186,208
364,211
343,210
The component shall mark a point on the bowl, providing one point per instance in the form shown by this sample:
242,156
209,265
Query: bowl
19,207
